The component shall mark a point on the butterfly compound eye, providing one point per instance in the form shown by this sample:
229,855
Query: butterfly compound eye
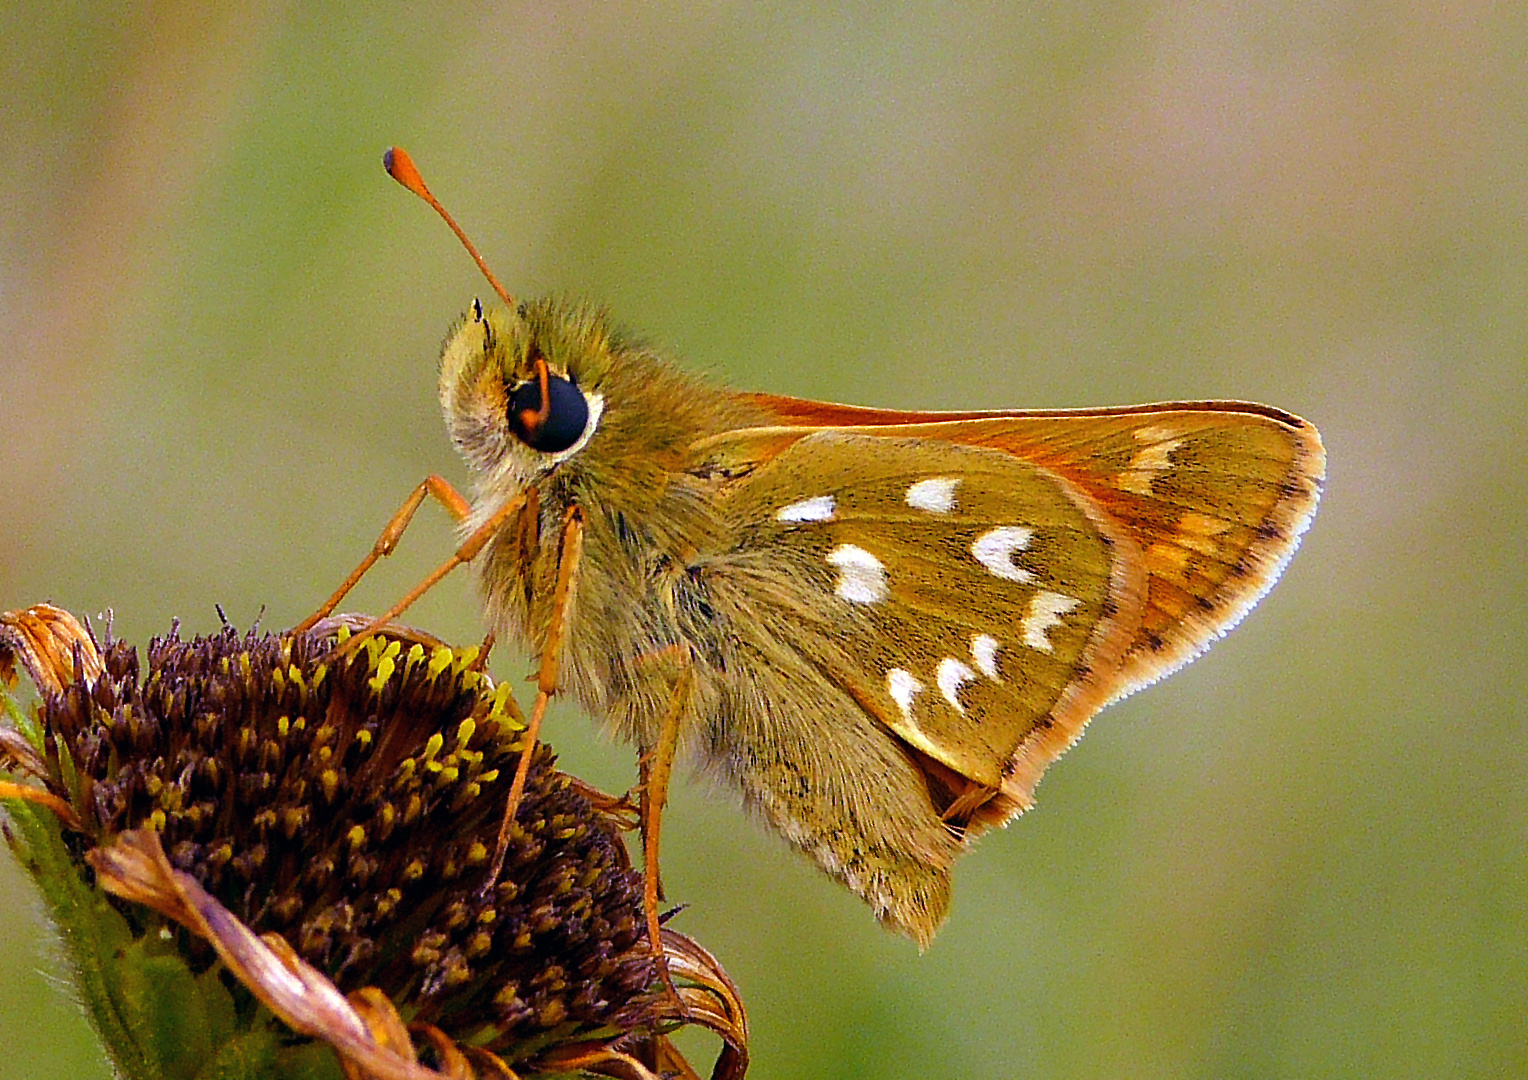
548,413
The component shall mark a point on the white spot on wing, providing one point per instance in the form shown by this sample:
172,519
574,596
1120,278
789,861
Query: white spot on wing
951,676
862,577
903,687
996,548
984,650
936,495
1153,459
817,508
1045,611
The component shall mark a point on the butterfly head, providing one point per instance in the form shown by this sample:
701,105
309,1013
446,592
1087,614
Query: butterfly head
520,388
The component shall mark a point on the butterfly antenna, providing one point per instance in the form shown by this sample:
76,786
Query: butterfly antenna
401,168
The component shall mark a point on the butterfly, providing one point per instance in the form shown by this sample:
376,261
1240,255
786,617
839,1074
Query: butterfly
879,626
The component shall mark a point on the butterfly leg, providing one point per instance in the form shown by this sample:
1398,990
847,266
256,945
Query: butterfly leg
432,485
460,557
619,810
569,552
481,663
657,766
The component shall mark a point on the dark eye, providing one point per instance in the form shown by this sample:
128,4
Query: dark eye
548,413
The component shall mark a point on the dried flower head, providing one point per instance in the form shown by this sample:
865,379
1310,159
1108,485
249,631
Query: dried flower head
349,811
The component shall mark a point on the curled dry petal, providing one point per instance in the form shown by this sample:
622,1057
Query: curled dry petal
47,640
453,1060
134,867
17,754
708,997
606,1061
9,789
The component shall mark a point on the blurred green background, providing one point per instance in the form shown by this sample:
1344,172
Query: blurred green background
1302,856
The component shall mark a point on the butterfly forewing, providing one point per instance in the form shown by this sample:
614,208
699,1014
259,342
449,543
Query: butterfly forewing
1215,496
